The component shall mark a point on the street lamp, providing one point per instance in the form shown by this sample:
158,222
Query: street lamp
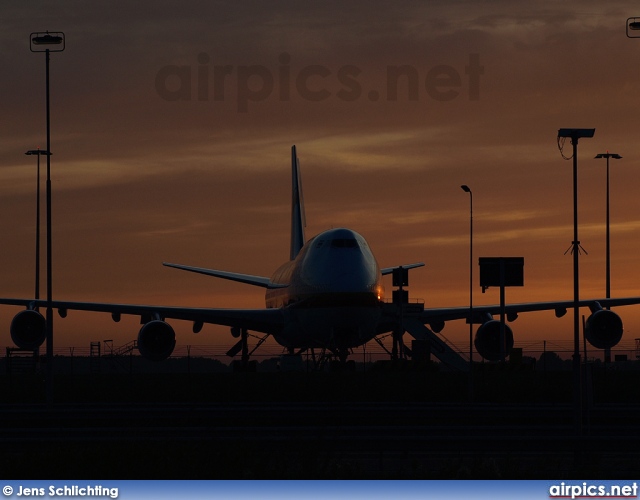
607,155
467,189
615,156
48,42
575,134
38,152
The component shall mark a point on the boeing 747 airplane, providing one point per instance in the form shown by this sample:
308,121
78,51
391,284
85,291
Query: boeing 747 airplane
328,296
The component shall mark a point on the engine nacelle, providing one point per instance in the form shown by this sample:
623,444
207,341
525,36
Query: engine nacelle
156,340
28,329
487,340
603,329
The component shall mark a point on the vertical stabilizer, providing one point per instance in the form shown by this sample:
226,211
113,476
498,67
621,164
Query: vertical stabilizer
298,222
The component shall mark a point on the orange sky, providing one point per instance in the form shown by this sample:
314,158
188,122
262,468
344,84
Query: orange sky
203,180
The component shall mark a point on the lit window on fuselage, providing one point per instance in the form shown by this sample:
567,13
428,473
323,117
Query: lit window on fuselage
344,243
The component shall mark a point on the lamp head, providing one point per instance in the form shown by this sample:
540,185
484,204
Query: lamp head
633,27
615,156
47,41
576,133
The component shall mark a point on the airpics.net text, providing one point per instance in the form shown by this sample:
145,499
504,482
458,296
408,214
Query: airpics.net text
314,83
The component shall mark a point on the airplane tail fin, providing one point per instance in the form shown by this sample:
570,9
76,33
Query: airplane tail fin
298,221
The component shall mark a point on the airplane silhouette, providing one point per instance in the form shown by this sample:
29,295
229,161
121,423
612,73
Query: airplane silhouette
328,296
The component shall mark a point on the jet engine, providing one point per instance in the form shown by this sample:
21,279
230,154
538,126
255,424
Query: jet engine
487,340
156,340
603,329
28,329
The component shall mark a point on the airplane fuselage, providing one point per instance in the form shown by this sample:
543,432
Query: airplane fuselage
334,292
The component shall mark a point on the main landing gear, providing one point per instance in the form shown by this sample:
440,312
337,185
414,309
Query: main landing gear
244,364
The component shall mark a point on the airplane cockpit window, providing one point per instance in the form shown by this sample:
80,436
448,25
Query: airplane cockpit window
344,243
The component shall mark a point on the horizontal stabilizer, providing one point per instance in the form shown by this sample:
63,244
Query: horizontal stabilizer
389,270
242,278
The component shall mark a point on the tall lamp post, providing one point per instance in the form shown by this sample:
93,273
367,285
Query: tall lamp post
38,152
607,155
575,134
615,156
48,42
467,189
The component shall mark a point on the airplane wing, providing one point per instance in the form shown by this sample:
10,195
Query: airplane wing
259,320
603,329
242,278
156,338
512,310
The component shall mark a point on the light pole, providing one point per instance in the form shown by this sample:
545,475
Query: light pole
467,189
38,152
615,156
575,134
607,155
48,42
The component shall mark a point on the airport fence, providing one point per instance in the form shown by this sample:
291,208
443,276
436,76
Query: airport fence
556,354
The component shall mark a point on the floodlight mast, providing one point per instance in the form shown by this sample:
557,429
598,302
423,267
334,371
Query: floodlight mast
39,152
616,156
467,189
575,134
48,42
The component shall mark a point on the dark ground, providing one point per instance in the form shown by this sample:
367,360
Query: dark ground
406,422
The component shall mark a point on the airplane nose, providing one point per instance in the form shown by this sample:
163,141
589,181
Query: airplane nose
352,274
340,261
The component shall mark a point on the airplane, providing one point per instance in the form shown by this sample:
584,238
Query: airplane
328,296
